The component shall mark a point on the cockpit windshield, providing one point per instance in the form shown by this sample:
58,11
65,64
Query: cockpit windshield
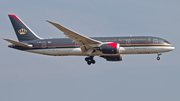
167,42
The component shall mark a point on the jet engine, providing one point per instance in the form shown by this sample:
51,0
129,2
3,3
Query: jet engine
113,58
110,48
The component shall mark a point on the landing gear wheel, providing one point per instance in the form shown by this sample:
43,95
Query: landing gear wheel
158,54
87,59
158,58
93,61
89,62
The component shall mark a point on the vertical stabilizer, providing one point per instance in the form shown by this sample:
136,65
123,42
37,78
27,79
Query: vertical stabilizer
23,32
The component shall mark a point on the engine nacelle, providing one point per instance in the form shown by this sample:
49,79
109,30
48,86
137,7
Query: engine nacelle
110,48
113,58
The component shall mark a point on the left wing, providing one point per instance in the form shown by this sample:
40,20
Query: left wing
86,44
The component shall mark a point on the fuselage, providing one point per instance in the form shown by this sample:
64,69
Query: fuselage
109,48
128,45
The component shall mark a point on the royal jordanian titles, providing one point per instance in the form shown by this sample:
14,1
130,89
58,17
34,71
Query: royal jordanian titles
109,48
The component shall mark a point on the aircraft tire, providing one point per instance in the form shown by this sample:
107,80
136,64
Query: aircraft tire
93,61
158,58
89,62
87,59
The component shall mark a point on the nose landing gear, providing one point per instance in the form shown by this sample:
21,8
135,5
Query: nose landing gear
158,58
158,54
90,60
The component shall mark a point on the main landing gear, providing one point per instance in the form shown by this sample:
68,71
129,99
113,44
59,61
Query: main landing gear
158,54
90,60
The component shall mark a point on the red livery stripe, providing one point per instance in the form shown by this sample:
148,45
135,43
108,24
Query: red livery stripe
113,45
15,17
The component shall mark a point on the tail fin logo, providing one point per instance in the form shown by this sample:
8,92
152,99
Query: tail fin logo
22,31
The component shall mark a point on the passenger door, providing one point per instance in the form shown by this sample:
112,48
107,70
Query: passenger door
155,41
43,44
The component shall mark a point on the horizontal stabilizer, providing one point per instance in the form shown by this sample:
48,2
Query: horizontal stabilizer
18,43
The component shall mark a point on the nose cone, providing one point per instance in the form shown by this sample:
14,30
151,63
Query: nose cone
172,48
168,48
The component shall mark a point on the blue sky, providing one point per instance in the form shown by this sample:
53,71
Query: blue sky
27,76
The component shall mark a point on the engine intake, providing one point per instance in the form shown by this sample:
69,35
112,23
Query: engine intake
110,48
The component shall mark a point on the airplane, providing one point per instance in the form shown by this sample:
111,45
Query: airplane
109,48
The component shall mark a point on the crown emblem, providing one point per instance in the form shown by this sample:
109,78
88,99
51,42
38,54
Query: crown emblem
22,31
